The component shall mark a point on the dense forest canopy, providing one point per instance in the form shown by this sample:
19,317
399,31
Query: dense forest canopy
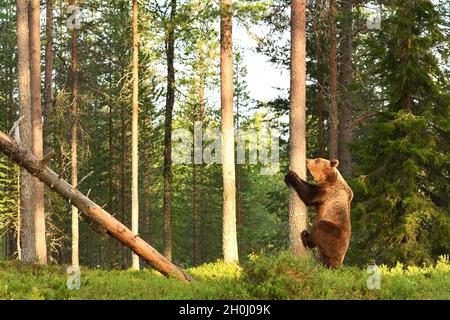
377,95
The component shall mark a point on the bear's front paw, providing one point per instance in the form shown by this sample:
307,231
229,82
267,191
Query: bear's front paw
290,178
305,235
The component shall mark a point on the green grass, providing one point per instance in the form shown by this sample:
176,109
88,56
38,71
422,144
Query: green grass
269,277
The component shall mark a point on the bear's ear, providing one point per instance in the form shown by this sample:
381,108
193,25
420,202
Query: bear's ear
334,163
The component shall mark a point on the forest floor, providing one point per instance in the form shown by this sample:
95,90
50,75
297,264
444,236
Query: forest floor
269,277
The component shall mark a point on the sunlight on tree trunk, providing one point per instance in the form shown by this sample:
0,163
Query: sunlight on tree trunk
36,119
230,247
48,109
297,151
134,130
74,145
28,243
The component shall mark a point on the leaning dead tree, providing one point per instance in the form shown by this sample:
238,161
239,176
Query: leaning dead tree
103,219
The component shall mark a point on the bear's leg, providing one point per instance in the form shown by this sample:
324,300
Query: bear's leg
327,236
307,240
331,262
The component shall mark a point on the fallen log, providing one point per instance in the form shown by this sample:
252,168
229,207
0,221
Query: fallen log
112,226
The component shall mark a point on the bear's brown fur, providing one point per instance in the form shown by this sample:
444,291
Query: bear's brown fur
331,196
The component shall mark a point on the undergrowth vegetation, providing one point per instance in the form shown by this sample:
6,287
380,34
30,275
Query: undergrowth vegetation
263,277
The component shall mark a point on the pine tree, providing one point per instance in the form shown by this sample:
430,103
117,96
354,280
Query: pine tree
402,193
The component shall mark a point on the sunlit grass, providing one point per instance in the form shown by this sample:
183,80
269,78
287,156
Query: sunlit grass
263,277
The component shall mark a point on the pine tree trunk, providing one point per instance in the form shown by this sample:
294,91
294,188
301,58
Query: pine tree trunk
201,99
117,249
100,252
346,106
36,122
28,242
111,242
297,151
134,130
333,115
123,179
89,247
194,207
194,192
48,108
320,81
147,204
229,237
170,101
74,146
239,212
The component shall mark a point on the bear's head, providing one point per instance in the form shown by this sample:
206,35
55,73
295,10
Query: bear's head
322,169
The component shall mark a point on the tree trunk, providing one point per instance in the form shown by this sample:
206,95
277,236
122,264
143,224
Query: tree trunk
111,243
194,205
346,106
36,123
333,115
197,116
147,204
320,82
123,168
229,237
118,167
48,108
297,151
194,190
201,217
100,217
134,130
74,145
89,248
170,101
28,243
239,210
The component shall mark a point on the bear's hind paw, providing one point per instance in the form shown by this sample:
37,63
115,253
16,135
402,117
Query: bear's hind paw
305,235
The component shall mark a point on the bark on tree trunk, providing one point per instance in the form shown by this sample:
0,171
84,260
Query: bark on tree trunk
36,122
194,204
170,100
333,115
74,145
201,218
134,130
346,107
320,82
229,237
297,151
112,246
123,169
89,248
100,217
28,244
48,76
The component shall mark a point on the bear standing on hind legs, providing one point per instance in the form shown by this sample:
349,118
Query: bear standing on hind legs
331,196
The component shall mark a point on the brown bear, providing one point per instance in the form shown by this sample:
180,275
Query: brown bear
331,196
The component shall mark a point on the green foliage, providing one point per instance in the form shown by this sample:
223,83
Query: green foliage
401,207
